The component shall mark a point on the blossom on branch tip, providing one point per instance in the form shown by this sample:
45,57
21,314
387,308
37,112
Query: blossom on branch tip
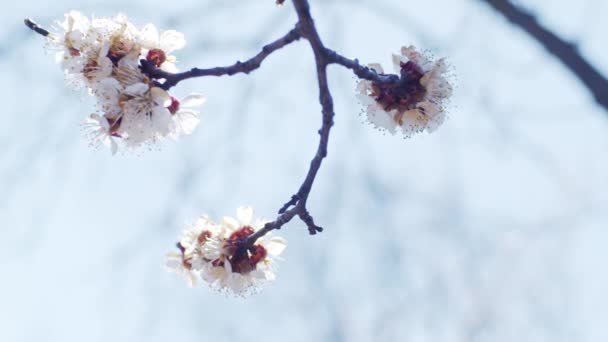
220,254
158,46
103,56
416,102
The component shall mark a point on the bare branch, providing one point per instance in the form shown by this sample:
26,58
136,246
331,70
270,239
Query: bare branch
238,67
360,70
566,52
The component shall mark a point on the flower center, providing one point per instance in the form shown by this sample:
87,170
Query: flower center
114,126
156,56
404,94
174,106
74,52
118,50
203,237
242,262
89,69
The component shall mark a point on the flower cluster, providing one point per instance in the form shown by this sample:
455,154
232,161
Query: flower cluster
103,55
215,252
414,103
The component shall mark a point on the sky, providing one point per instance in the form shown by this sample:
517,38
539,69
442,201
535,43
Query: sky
490,229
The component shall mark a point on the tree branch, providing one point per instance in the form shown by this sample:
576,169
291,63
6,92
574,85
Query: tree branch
238,67
358,69
566,52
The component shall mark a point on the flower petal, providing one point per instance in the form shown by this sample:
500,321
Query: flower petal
137,89
275,246
171,40
186,122
160,96
244,214
193,100
149,37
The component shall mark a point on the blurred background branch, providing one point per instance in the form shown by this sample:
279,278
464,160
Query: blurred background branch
563,50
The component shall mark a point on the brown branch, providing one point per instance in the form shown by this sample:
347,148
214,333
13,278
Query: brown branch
360,70
298,201
566,52
238,67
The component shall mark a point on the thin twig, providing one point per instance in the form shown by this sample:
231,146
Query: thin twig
34,27
238,67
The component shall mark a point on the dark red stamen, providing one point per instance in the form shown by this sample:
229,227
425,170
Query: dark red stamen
156,56
243,262
404,94
174,106
202,238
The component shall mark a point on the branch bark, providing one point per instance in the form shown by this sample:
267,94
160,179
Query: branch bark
565,51
238,67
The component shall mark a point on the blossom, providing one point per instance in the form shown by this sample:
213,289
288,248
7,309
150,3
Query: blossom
221,255
190,260
103,55
99,131
414,103
185,118
158,46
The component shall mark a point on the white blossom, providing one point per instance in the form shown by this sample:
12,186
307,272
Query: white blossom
103,55
413,104
219,258
98,130
185,117
157,47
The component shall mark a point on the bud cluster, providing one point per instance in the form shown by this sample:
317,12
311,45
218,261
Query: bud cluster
103,56
218,253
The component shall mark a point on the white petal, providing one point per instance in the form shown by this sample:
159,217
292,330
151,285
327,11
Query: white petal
227,267
244,214
275,246
191,279
137,89
171,40
162,122
231,224
161,97
186,122
169,67
114,146
269,274
192,100
149,37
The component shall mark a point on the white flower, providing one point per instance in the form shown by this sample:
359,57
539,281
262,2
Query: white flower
185,118
221,255
158,47
99,132
177,263
197,235
413,104
239,273
99,67
145,115
104,55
